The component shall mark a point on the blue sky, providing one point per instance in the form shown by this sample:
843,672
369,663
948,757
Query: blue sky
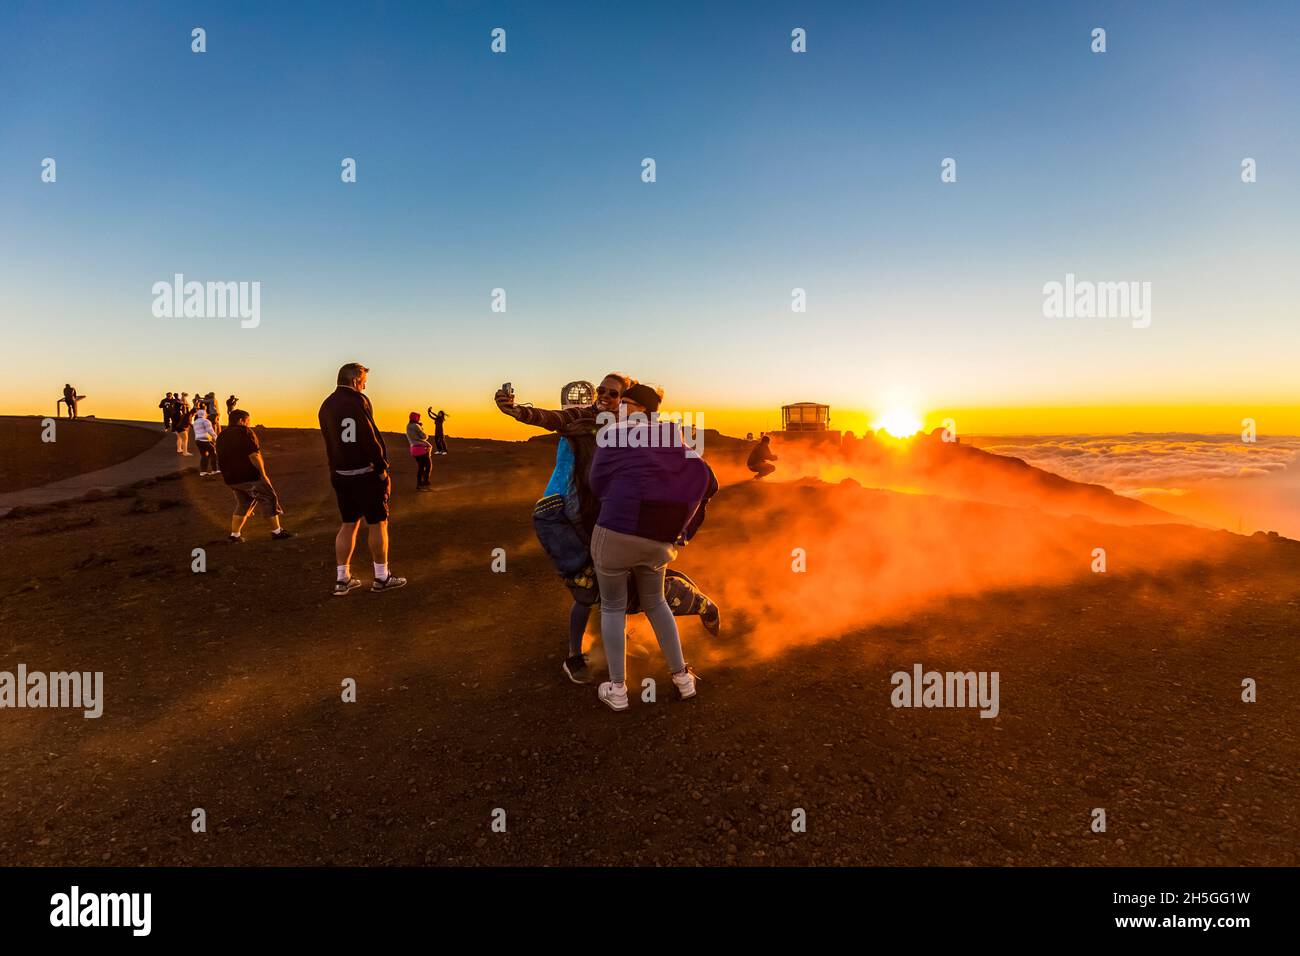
775,170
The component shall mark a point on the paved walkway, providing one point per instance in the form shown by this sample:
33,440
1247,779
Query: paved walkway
159,460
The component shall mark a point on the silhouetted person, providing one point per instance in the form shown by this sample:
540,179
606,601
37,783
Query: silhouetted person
761,458
439,442
181,426
168,406
70,399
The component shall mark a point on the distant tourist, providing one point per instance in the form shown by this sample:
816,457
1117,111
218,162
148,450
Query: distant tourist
439,442
358,463
244,471
420,451
231,402
205,439
70,398
181,426
651,500
168,406
761,458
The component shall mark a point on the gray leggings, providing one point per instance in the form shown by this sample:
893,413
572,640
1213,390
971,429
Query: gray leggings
614,554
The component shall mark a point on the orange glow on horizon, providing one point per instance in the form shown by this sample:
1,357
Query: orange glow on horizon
478,418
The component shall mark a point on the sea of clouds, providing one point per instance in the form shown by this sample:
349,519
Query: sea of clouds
1141,465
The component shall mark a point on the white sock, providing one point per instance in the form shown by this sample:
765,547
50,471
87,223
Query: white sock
343,573
381,572
234,534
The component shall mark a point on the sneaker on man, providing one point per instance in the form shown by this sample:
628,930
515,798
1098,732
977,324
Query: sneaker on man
577,669
346,587
281,535
711,618
685,683
390,583
236,539
615,698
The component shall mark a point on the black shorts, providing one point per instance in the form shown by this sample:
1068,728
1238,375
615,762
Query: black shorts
362,496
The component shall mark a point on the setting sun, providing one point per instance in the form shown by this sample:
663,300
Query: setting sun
899,422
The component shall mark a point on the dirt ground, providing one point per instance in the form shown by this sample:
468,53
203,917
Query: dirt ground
222,691
79,446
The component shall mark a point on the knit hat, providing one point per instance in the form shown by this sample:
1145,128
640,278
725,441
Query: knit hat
647,396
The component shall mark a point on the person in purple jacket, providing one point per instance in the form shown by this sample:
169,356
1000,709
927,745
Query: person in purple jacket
652,490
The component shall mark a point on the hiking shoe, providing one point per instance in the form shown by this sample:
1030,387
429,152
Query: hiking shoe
613,697
576,669
281,535
344,587
711,618
685,683
389,583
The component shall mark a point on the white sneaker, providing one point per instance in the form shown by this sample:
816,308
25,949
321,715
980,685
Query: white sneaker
614,697
685,683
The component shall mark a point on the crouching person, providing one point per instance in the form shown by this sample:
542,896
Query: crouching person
244,471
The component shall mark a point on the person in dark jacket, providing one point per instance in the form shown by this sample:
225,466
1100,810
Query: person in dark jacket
358,463
652,496
70,397
564,527
168,406
761,458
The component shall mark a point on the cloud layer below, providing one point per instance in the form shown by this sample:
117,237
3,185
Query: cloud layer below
1142,465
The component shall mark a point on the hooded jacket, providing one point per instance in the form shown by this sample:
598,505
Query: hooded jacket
651,492
203,430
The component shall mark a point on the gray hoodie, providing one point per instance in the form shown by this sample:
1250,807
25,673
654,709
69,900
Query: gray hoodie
414,433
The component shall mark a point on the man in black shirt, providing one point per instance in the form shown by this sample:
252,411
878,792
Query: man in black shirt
245,473
358,463
70,399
